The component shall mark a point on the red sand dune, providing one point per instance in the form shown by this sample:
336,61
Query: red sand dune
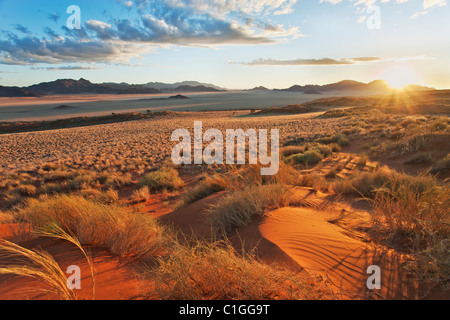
321,247
113,280
301,239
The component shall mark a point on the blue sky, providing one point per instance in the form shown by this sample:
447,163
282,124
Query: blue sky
234,44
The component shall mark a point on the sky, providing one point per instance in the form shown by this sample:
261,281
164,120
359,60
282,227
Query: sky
236,44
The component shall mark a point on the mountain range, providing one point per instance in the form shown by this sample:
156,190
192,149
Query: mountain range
374,87
175,86
83,86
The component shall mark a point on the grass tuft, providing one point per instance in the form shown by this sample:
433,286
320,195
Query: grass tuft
166,178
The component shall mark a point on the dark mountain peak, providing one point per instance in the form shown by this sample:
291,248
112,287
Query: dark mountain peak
344,85
349,82
83,86
260,88
84,81
200,88
17,92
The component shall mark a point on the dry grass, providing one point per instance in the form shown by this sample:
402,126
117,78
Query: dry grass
206,187
420,158
340,140
106,197
421,215
237,178
166,178
141,195
418,221
308,158
125,233
313,180
442,167
292,150
35,264
409,211
6,217
239,208
366,184
56,232
214,271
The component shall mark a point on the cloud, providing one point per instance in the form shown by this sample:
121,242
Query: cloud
427,4
309,62
362,5
22,29
31,50
66,68
54,17
204,23
329,61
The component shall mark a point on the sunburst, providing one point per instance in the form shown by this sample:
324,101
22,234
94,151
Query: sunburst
400,76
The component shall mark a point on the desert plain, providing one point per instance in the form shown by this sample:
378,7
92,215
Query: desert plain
363,182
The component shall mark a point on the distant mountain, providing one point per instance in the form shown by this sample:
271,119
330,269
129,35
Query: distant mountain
377,86
173,86
260,88
346,85
415,87
70,86
17,92
82,86
186,88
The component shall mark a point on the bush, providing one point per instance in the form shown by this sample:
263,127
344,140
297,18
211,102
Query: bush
442,166
340,139
143,194
367,183
124,232
424,157
324,150
292,150
238,208
214,271
166,178
417,221
206,187
311,157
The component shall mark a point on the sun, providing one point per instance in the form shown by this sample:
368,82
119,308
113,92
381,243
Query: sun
400,76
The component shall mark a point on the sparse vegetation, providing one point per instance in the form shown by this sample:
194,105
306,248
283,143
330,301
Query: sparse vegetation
368,183
143,194
311,157
94,194
35,264
442,166
241,206
206,187
124,232
420,158
166,178
214,271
